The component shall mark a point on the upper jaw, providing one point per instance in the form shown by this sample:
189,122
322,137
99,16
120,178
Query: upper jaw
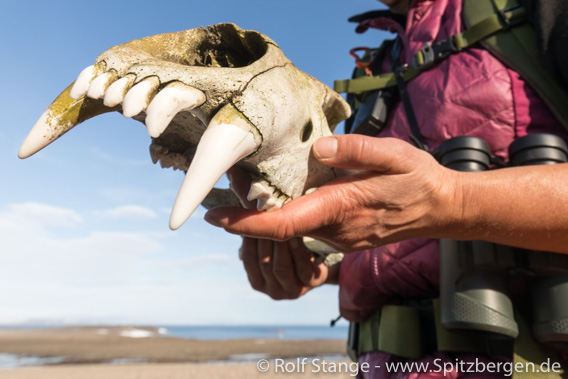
208,112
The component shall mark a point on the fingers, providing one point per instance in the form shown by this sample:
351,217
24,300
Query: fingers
266,263
386,155
249,256
285,271
299,217
272,269
302,261
161,102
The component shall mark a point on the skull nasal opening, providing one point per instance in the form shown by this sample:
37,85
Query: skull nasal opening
306,132
229,46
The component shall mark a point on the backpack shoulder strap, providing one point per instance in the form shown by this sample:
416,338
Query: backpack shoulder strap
517,48
431,54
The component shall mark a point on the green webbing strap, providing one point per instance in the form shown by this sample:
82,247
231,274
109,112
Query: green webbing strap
371,83
495,22
395,330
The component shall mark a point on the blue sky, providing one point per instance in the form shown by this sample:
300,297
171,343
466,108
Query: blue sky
84,234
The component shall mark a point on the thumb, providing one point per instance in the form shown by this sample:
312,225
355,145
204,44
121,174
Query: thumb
365,153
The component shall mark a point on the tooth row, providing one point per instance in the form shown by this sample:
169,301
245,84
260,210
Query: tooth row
161,106
161,154
267,197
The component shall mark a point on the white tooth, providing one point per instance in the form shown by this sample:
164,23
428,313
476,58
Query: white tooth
263,204
82,83
259,191
115,93
139,96
174,98
310,190
39,137
269,204
100,84
221,146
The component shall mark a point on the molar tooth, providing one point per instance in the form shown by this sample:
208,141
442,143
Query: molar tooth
174,98
139,96
117,90
157,152
82,82
100,84
260,190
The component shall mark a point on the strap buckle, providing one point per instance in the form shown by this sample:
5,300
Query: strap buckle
432,53
512,16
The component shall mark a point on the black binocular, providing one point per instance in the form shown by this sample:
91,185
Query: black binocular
476,276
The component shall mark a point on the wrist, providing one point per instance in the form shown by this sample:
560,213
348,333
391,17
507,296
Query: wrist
465,215
455,208
333,274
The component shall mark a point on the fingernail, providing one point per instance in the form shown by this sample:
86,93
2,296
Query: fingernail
325,148
212,220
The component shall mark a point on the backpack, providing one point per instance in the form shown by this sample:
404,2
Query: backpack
531,38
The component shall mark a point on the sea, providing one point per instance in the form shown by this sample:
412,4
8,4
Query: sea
199,332
223,332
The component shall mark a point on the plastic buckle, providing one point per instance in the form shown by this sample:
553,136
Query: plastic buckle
434,53
353,341
514,19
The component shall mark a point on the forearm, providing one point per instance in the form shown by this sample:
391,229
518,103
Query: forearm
525,207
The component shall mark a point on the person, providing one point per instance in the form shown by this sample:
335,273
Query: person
397,201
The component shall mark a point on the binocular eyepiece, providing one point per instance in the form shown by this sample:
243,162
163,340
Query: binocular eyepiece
475,275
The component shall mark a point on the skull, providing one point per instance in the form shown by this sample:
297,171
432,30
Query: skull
210,98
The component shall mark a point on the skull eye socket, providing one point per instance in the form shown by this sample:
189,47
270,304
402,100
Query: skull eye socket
225,45
307,131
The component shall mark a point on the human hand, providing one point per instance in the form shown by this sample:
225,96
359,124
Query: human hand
282,270
398,193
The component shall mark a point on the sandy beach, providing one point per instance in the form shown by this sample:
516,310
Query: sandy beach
115,352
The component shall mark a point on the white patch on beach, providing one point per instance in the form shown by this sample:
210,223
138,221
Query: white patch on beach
162,331
136,333
250,357
239,359
8,361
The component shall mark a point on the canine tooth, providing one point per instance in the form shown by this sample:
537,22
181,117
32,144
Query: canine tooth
259,190
139,96
174,98
83,81
37,138
117,90
60,117
100,84
220,147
